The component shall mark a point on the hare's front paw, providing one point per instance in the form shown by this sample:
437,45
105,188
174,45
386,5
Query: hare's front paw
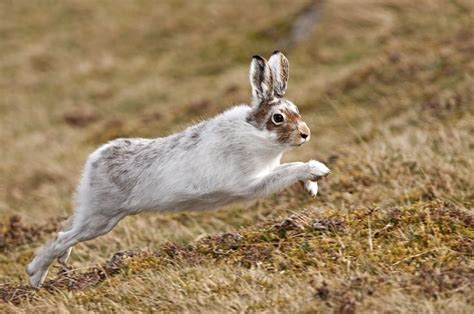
311,187
317,170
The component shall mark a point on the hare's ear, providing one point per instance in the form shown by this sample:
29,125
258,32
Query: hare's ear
261,80
280,70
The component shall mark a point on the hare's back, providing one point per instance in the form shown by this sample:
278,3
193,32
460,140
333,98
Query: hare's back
121,161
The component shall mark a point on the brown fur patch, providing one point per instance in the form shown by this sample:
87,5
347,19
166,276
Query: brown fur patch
257,117
288,129
285,132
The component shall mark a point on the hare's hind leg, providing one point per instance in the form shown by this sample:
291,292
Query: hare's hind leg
83,230
37,269
63,258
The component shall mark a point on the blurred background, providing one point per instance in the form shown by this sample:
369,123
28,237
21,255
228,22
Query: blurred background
385,85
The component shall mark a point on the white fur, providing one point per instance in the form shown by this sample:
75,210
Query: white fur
311,187
222,160
279,65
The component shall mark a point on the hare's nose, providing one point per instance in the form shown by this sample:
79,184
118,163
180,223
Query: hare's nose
304,131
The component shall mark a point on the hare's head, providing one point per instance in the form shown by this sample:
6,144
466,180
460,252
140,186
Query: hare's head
271,112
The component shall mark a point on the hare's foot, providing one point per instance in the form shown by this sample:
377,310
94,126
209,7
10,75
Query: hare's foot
37,272
311,187
62,259
318,170
38,278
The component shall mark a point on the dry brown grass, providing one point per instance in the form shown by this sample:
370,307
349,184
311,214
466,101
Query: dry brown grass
386,87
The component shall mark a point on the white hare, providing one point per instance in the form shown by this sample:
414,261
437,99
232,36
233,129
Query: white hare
234,156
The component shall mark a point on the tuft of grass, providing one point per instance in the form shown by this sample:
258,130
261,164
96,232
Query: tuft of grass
374,250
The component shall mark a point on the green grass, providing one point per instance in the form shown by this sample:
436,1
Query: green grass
386,87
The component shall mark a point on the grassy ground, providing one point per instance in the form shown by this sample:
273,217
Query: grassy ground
386,87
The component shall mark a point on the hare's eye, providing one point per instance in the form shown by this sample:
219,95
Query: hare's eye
278,118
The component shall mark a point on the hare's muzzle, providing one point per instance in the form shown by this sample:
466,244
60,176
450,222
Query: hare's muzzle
304,131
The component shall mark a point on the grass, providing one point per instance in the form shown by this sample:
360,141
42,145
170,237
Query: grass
386,87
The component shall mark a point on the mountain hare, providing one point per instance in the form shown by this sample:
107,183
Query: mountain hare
234,156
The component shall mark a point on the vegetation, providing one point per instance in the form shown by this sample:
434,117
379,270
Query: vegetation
386,87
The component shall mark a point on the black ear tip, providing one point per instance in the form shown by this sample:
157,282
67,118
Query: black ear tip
275,52
257,57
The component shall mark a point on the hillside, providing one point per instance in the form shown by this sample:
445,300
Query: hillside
385,86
